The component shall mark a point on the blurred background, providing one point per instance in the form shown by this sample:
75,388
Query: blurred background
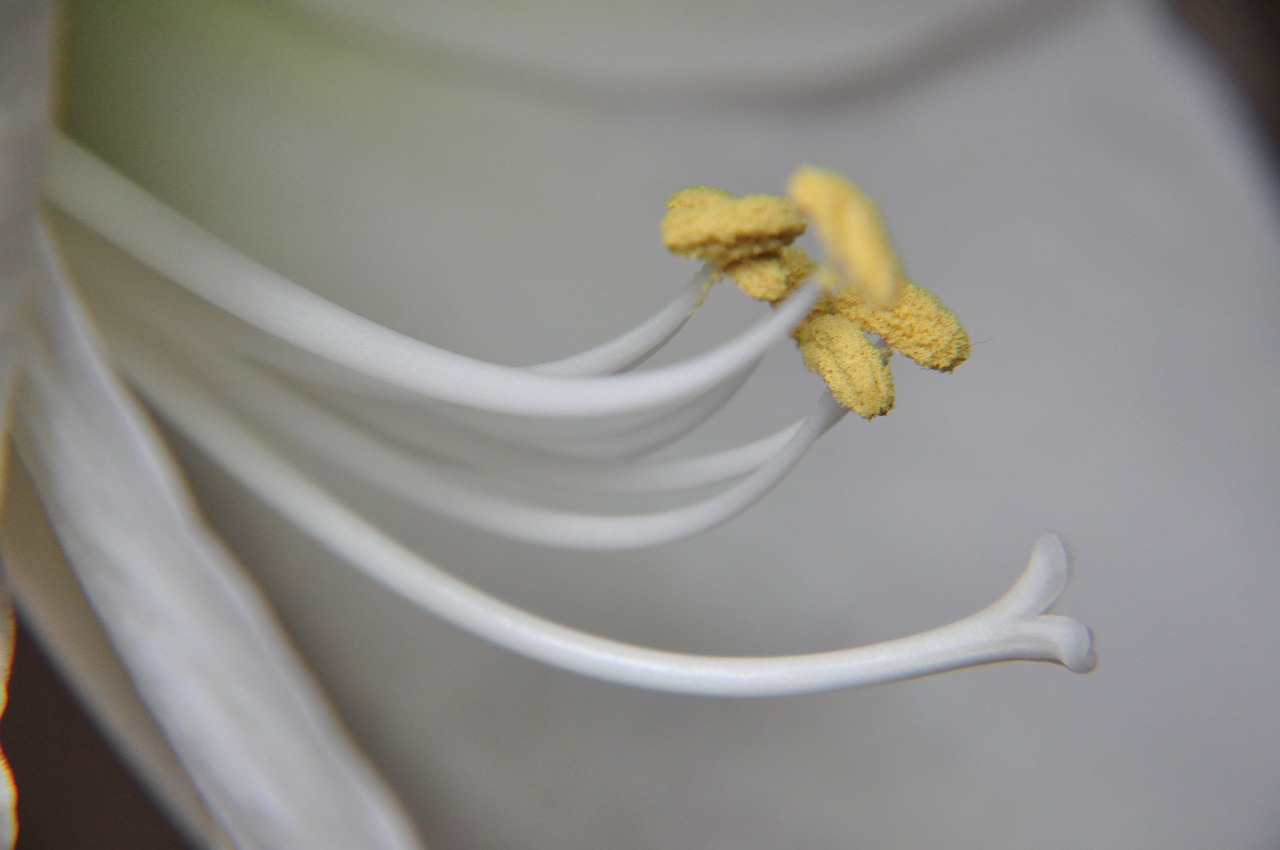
74,794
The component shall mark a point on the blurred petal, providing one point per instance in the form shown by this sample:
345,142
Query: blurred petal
23,119
236,705
23,98
55,613
711,50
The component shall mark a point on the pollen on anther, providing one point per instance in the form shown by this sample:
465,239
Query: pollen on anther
855,370
749,240
851,229
772,277
713,225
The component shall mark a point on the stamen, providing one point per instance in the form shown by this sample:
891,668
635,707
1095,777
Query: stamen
595,438
641,342
445,489
856,371
91,192
453,434
914,323
852,231
411,419
749,240
1013,628
713,225
441,491
600,471
772,277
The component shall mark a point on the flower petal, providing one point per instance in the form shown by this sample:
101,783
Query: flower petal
236,704
56,614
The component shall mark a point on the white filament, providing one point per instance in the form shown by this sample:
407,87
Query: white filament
641,342
433,486
85,188
1015,627
435,441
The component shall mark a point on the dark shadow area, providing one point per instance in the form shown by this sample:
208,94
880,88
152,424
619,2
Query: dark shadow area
1245,34
73,793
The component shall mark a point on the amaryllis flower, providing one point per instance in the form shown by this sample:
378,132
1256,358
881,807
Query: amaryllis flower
346,254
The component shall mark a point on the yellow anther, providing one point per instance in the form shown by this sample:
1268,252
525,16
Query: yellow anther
856,371
850,228
698,197
916,324
771,277
712,225
749,240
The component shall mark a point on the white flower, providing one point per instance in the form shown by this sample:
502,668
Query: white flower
353,151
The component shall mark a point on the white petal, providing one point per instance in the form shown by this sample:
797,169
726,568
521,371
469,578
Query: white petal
1087,199
244,717
56,614
671,49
